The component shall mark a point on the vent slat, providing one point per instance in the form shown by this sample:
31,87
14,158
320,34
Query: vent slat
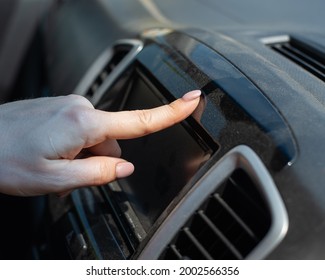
220,235
197,244
118,56
229,224
302,55
227,208
307,66
305,57
175,253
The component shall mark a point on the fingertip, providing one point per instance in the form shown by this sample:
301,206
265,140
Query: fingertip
192,95
124,169
94,171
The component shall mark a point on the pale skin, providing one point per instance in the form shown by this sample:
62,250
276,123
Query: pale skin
42,141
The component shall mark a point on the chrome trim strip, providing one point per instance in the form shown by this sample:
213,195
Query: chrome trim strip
100,63
240,157
93,72
137,46
275,39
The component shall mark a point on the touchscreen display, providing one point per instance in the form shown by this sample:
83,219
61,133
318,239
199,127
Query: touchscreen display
164,161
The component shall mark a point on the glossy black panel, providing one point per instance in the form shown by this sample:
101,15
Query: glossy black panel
233,111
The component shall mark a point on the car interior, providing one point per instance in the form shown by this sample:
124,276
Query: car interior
241,178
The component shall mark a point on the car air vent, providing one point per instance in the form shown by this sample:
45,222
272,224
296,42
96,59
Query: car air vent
303,54
228,225
108,66
233,212
119,53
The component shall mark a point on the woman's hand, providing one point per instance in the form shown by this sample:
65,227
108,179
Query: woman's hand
42,139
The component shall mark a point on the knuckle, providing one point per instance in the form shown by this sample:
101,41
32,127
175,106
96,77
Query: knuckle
173,113
76,115
79,100
76,112
145,119
105,173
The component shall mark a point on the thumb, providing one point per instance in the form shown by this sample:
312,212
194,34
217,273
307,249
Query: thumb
94,171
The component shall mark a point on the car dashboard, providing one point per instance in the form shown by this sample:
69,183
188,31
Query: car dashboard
241,178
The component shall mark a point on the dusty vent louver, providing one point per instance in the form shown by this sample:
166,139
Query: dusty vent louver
119,54
108,66
303,54
228,225
234,212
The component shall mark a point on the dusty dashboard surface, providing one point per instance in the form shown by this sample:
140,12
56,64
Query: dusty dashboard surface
242,173
174,166
241,178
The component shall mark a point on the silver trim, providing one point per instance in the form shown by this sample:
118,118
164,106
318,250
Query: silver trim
93,72
240,157
137,46
275,39
97,67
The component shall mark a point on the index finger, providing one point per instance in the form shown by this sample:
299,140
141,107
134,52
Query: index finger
133,124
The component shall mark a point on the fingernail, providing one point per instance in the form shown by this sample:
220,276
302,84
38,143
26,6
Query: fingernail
124,169
191,95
